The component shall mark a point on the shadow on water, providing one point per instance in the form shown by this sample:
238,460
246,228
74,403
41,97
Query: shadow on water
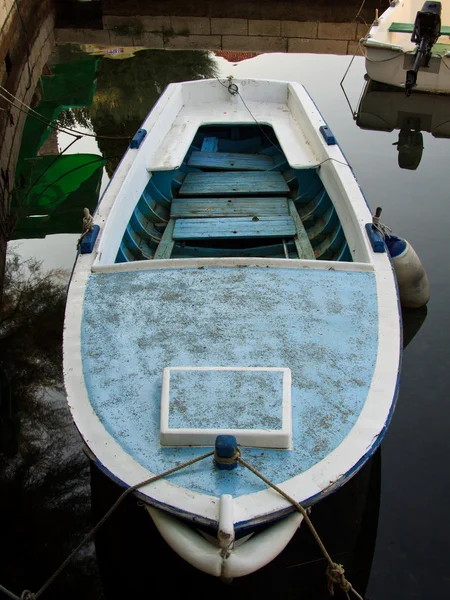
413,319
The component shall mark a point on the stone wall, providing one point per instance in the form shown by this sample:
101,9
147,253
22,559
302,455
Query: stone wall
26,41
221,33
336,11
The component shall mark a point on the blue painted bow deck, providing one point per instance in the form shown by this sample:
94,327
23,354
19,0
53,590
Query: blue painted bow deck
321,324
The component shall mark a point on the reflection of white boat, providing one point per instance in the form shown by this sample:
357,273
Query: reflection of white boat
385,108
116,52
391,55
233,290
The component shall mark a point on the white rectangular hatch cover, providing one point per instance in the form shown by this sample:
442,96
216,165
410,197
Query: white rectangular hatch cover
251,403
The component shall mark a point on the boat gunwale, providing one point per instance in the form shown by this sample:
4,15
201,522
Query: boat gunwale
226,261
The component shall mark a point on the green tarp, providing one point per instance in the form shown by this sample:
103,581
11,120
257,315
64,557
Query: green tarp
409,27
65,185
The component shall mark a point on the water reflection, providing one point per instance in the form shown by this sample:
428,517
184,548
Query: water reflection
385,108
45,495
52,188
107,98
127,90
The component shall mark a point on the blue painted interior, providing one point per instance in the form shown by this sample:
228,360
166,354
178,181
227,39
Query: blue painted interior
232,167
323,325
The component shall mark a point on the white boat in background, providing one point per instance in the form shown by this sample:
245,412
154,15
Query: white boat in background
409,46
236,288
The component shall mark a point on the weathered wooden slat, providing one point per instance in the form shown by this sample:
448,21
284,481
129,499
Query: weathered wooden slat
229,161
233,183
165,246
210,144
196,229
301,240
228,207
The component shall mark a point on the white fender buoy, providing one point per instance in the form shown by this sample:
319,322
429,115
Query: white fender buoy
412,279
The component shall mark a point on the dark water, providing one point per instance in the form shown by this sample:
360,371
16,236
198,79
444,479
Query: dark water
394,512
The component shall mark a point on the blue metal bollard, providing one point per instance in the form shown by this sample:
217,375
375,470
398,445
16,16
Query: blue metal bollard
226,446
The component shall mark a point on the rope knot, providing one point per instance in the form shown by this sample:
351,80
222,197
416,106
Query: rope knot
336,576
27,595
88,225
88,221
222,460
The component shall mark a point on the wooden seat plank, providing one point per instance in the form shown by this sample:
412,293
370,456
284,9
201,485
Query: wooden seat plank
230,161
233,183
196,229
301,240
165,246
228,207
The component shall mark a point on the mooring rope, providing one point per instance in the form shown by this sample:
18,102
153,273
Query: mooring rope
335,572
27,595
88,225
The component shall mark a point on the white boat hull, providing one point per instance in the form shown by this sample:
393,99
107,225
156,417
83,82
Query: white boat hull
390,53
243,559
388,66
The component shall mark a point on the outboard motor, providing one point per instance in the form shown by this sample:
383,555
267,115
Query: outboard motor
427,29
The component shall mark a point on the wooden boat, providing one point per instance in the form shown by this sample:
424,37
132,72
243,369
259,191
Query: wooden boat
233,290
409,46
